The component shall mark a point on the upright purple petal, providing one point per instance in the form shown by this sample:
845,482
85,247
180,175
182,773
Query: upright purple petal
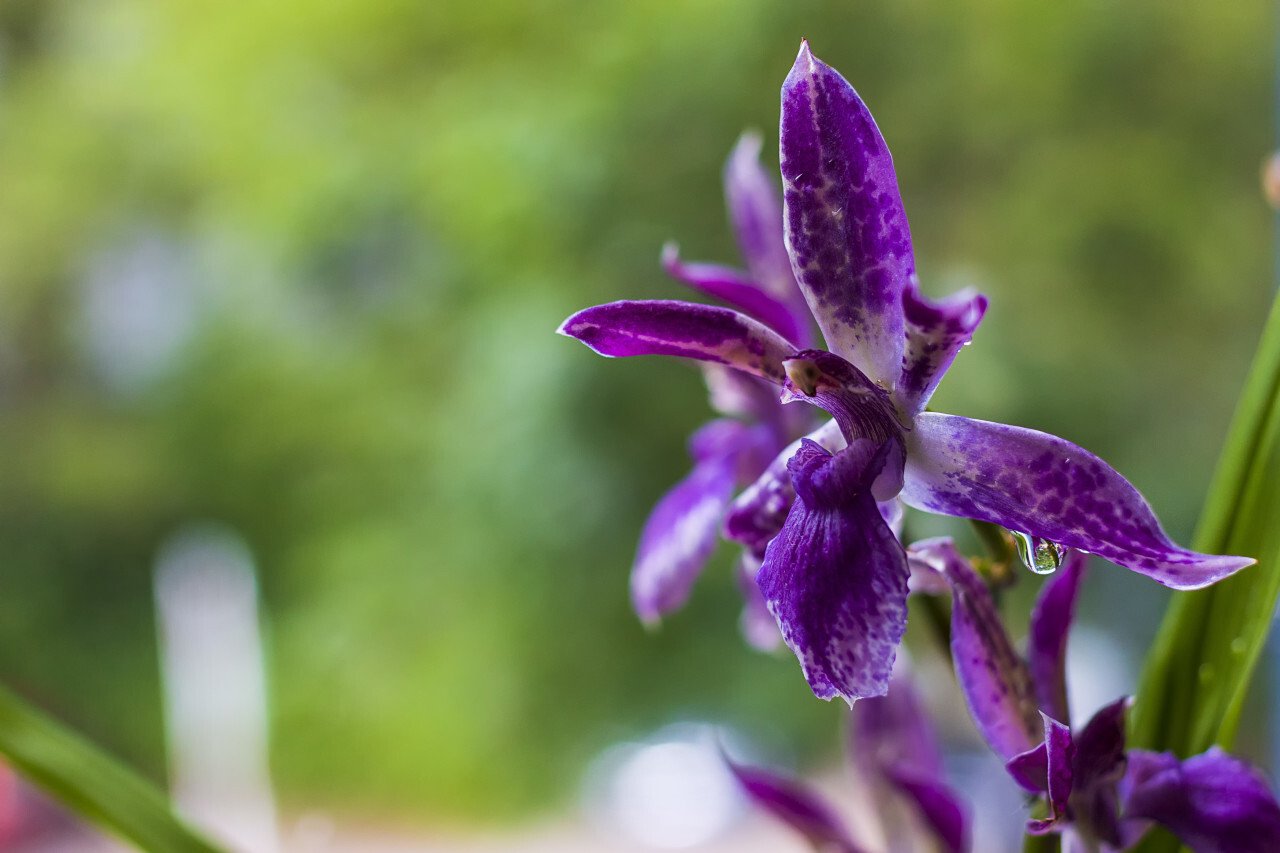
756,516
1044,486
667,327
847,233
836,576
1061,752
798,806
1214,803
995,681
936,332
1047,643
755,212
738,290
938,805
680,533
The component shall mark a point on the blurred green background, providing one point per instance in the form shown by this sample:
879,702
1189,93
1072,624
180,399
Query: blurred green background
295,267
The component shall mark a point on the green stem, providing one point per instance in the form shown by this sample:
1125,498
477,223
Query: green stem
90,782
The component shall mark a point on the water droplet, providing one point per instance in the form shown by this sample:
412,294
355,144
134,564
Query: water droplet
1239,646
1206,673
1039,555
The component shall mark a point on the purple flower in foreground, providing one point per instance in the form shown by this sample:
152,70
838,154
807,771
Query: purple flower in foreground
1099,795
904,805
681,532
832,576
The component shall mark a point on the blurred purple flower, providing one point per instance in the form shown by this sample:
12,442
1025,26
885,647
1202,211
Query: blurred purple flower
834,575
1099,795
894,757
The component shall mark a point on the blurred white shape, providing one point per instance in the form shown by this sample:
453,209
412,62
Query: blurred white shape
214,686
670,792
1099,671
138,309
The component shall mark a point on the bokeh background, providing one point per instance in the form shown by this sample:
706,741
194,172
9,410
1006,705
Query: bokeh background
295,267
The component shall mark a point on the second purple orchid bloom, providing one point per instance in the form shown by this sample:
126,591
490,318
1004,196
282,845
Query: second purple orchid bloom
1099,795
834,574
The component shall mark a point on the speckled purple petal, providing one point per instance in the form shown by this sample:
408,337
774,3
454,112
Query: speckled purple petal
938,805
936,332
1039,484
1047,642
835,577
667,327
994,680
755,211
846,231
798,806
756,516
743,293
680,533
1214,803
756,623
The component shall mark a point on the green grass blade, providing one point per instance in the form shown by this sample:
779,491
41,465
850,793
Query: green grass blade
90,782
1197,674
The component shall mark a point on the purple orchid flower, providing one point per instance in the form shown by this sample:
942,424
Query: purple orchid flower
1099,795
680,533
894,757
833,575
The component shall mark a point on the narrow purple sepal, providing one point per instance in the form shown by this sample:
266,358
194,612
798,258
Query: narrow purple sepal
680,536
755,212
796,805
938,805
1214,802
846,231
936,332
835,577
756,516
685,329
994,679
756,623
1044,486
927,560
1047,642
743,293
1099,767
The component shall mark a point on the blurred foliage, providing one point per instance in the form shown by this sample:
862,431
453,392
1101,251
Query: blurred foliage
296,266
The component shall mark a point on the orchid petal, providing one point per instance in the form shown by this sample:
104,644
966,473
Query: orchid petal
893,730
927,560
797,805
940,807
757,624
738,290
994,680
835,576
755,211
680,533
846,231
668,327
1030,769
756,516
1061,753
1044,486
1099,766
1214,803
936,332
1047,643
